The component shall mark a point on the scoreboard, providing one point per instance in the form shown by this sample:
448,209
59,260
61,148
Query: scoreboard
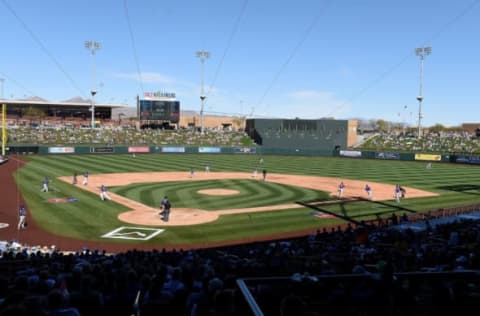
159,110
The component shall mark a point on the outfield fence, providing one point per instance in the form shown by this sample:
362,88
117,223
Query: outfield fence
258,150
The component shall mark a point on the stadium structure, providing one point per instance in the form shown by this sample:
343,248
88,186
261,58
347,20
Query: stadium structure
158,109
35,110
321,134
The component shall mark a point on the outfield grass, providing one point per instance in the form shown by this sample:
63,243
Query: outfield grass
89,218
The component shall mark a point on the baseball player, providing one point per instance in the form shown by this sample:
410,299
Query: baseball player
403,192
341,188
264,173
192,172
368,189
74,180
45,185
165,204
397,193
22,217
85,178
207,168
255,173
103,193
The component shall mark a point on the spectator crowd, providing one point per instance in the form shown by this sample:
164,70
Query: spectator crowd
441,142
124,135
382,264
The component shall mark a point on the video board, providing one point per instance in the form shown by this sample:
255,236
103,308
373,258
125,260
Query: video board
154,110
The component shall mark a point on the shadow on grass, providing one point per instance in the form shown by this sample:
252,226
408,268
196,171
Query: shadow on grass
343,214
462,188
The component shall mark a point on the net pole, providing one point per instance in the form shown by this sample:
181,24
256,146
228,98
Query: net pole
4,128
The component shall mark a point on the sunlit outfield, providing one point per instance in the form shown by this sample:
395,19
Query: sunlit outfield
90,218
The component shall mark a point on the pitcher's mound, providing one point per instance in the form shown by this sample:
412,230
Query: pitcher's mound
218,192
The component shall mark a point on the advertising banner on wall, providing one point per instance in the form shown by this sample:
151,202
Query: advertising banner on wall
102,150
61,150
209,150
244,150
468,159
390,156
350,153
173,149
428,157
139,149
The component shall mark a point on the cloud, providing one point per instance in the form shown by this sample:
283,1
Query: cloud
147,77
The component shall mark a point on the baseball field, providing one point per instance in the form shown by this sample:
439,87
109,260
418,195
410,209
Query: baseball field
226,205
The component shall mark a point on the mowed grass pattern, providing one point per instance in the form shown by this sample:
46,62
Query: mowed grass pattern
90,218
251,193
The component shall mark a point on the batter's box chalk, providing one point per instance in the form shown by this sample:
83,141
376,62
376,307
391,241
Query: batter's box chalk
134,233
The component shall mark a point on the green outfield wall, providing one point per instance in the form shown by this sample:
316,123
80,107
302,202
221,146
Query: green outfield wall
259,150
299,134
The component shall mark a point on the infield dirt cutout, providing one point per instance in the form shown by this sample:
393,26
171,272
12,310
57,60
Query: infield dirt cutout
142,214
217,192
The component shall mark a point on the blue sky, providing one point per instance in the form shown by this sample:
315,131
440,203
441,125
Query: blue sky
305,58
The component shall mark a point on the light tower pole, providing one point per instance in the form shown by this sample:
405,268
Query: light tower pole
93,46
202,55
421,52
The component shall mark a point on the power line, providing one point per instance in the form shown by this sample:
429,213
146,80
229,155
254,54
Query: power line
386,73
132,40
229,42
44,48
18,84
294,51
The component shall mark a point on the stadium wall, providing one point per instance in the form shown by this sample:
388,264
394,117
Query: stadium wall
302,134
143,149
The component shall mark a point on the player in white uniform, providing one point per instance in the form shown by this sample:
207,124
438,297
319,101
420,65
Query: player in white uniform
22,214
368,189
397,193
341,188
85,178
103,193
46,182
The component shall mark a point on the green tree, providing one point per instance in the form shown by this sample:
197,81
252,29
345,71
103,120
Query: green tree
383,125
437,128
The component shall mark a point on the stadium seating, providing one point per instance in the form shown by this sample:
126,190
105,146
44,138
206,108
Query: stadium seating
356,271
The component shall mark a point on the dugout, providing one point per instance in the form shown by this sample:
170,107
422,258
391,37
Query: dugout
321,134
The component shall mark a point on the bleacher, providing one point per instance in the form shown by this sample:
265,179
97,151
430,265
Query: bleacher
356,271
442,142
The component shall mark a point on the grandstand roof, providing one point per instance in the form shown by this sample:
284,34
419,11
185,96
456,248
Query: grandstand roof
71,102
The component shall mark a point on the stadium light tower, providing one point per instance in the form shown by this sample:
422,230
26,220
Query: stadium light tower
93,46
202,55
421,52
